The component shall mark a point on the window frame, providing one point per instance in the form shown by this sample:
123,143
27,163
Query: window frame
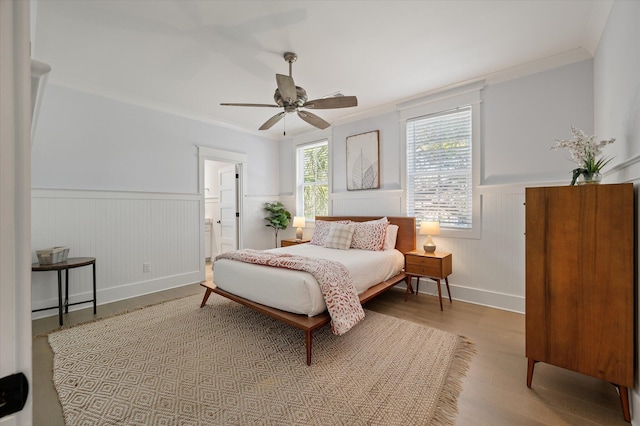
469,95
297,173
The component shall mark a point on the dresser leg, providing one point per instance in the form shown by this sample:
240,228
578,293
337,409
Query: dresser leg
530,365
624,400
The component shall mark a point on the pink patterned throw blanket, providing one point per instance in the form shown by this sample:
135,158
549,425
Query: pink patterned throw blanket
339,294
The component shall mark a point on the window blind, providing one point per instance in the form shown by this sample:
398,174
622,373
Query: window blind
439,168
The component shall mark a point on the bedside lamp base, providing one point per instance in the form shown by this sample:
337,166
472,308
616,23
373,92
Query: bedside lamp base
429,246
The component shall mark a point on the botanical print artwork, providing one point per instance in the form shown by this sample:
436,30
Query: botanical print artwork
363,173
362,161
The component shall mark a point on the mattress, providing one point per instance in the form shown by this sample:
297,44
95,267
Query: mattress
298,291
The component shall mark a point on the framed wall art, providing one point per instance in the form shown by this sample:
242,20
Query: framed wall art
363,161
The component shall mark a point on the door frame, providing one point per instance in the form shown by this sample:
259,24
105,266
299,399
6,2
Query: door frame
240,160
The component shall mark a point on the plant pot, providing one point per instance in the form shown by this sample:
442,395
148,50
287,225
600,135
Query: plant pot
589,179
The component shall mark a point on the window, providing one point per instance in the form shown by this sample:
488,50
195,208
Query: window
439,168
442,175
312,177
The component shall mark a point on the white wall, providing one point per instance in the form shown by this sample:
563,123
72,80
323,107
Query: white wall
89,142
120,183
617,112
521,118
390,152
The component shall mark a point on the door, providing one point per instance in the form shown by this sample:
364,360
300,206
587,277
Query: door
15,221
228,208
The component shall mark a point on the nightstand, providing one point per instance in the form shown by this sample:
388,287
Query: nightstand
292,242
436,266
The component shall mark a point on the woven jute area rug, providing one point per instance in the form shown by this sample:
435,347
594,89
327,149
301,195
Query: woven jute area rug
177,364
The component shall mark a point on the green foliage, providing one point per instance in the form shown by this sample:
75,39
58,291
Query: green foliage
315,186
279,217
593,166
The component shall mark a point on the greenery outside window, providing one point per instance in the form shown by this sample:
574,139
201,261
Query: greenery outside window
312,179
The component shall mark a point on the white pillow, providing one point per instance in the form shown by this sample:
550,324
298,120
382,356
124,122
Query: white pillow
381,220
390,237
340,236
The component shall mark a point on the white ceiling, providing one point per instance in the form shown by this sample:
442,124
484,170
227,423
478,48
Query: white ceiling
186,57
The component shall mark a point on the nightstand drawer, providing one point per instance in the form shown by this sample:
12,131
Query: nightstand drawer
432,271
292,242
437,265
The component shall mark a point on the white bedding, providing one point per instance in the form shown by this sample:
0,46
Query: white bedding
298,291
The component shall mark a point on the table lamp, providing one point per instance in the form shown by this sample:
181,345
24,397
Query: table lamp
429,229
298,222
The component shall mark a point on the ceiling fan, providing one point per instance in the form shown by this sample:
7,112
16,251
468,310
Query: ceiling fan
292,98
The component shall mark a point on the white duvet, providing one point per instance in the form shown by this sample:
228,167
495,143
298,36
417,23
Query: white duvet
298,291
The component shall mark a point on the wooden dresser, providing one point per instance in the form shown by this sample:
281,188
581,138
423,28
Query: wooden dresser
580,281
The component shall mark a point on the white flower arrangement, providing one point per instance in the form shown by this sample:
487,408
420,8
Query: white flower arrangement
584,152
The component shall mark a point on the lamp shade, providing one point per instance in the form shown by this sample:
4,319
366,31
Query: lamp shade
429,228
298,221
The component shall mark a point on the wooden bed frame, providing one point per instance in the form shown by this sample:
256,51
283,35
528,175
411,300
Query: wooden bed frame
406,241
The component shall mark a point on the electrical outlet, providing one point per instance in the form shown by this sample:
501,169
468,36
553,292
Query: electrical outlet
146,267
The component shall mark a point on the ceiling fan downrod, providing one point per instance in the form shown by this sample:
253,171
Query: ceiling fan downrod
290,57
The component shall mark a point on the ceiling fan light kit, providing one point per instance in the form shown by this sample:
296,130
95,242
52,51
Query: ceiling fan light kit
292,98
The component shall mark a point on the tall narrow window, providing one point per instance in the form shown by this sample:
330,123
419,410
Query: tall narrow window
312,162
439,168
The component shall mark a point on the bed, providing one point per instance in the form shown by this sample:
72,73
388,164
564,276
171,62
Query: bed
293,296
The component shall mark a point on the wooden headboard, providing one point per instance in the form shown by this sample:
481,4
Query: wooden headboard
406,240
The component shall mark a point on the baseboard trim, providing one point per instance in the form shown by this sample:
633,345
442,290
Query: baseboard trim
116,294
491,299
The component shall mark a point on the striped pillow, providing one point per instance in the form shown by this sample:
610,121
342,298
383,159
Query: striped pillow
340,236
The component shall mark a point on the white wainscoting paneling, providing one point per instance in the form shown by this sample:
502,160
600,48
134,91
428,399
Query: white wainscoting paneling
488,271
122,231
367,203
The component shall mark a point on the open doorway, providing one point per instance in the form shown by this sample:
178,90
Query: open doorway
220,208
221,175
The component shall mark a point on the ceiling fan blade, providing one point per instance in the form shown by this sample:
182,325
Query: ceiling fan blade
253,105
335,102
313,119
287,88
273,120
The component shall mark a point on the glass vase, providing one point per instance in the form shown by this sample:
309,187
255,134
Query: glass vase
589,179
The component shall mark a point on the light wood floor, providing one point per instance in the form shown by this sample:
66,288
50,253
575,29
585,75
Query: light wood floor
494,391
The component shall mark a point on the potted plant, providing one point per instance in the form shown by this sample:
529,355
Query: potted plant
278,218
584,152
